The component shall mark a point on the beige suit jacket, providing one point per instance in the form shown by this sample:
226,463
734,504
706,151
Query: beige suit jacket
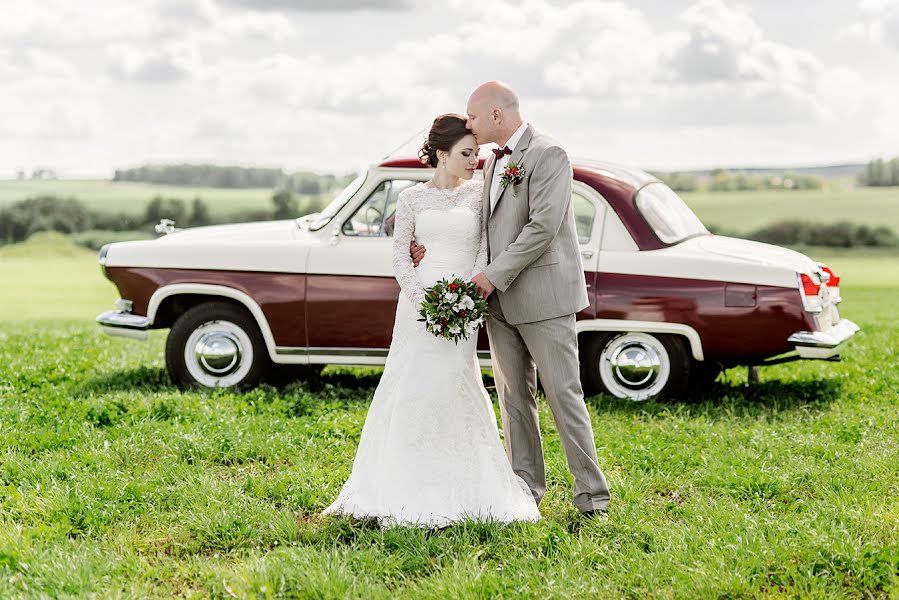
534,258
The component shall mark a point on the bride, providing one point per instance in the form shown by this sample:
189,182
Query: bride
430,453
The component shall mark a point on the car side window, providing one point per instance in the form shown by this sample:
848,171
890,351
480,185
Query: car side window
374,218
584,213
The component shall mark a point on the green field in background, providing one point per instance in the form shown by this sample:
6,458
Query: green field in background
747,211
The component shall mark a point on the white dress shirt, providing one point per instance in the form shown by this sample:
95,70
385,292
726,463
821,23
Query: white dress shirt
502,162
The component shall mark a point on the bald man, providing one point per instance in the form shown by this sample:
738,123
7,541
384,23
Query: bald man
534,284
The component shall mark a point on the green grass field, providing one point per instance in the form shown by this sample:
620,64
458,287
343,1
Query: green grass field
115,484
747,211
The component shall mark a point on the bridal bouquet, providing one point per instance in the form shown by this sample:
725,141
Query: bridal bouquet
453,309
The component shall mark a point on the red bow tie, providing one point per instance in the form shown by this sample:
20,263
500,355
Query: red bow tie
499,152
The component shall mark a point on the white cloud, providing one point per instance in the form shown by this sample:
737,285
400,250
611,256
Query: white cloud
166,64
255,83
323,5
879,23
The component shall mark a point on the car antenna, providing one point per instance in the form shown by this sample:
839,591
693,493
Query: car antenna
412,137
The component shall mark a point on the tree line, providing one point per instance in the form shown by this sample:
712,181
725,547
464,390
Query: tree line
300,182
880,172
722,180
20,220
794,232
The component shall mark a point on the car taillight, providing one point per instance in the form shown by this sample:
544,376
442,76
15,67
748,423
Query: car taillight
834,281
809,290
809,287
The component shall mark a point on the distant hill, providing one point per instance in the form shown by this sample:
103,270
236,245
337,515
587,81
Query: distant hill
233,177
823,172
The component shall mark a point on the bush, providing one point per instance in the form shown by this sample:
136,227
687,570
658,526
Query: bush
42,213
835,235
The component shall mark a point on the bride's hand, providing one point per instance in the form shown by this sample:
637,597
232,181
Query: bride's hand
417,251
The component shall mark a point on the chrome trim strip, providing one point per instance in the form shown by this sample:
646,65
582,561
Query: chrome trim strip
322,351
831,338
291,350
382,352
122,320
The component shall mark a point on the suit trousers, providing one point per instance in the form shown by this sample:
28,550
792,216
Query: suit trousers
549,347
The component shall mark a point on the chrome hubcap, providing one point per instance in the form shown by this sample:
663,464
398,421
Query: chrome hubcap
635,365
218,352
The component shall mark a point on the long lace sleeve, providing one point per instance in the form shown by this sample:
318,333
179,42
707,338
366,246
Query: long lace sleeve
403,269
480,262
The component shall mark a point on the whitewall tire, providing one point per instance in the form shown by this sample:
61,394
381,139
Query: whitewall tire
635,365
216,345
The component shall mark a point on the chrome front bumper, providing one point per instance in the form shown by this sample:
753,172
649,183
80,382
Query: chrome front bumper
122,324
823,344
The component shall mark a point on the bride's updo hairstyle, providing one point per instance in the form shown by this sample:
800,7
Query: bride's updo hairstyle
445,132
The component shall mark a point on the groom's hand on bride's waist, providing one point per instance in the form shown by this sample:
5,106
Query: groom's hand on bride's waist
484,286
417,251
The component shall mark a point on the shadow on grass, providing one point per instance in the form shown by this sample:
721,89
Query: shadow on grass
315,379
281,376
141,378
724,398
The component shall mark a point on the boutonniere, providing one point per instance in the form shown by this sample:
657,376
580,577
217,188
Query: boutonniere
512,175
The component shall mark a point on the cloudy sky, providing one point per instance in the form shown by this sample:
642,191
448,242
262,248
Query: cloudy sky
332,85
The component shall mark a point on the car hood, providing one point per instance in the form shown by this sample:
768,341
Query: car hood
756,252
259,231
275,246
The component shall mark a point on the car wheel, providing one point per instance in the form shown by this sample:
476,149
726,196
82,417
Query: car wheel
215,345
635,365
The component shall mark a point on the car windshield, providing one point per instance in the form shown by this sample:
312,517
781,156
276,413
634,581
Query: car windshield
668,215
325,216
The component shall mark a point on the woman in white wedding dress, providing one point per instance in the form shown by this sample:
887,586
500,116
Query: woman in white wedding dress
430,453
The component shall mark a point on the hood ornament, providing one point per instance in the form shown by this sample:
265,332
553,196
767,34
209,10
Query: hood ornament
165,226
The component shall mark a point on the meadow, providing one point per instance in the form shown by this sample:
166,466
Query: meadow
113,483
744,212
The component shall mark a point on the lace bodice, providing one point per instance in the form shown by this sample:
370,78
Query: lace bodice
449,223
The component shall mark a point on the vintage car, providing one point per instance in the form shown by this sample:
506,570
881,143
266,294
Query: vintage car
670,303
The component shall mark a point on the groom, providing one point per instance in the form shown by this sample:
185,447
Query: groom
534,284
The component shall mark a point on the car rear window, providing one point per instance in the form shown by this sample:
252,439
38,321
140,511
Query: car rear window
667,214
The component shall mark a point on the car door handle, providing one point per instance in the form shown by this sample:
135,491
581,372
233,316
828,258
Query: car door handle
587,253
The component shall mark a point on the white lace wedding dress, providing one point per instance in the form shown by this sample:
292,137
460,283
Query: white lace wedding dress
430,453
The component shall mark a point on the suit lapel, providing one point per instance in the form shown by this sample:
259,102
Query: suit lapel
515,157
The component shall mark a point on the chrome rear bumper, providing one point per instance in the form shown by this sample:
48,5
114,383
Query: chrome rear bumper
122,324
823,344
